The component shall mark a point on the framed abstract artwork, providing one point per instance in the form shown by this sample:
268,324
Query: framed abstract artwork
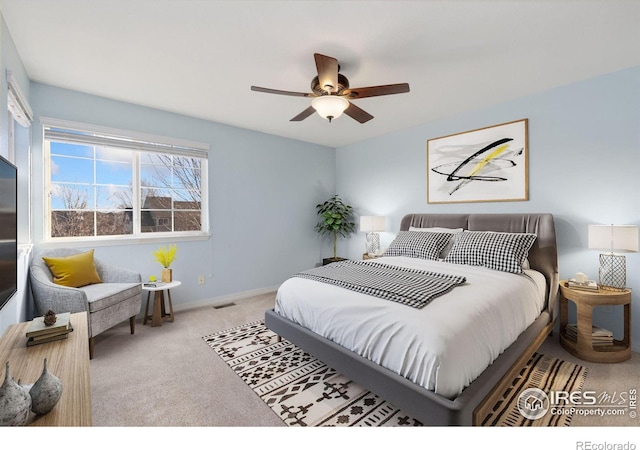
484,165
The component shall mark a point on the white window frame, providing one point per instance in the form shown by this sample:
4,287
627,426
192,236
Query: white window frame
134,141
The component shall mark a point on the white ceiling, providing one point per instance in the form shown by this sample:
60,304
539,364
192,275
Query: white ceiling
200,57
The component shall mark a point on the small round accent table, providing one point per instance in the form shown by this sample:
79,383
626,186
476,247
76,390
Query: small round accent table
159,311
582,347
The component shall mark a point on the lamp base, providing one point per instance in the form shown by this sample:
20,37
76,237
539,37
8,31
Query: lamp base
373,243
613,272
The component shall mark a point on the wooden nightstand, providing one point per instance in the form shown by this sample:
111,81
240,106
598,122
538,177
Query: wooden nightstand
585,301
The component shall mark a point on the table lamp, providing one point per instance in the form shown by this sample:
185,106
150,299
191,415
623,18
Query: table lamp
372,225
618,238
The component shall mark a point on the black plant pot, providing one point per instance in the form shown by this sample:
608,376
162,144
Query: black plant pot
326,261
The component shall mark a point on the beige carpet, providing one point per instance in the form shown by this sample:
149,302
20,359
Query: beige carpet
303,391
168,376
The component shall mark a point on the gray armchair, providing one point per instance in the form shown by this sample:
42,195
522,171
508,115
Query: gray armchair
117,298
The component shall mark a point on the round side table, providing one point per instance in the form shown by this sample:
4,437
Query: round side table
582,347
159,312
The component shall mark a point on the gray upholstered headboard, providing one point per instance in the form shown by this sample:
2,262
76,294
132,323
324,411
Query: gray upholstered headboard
543,256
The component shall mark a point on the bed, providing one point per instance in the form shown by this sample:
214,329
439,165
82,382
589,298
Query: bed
441,384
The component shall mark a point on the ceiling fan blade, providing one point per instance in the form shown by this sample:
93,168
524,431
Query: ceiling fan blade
357,113
375,91
327,72
303,115
276,91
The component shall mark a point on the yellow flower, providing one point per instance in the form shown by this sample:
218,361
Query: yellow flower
164,256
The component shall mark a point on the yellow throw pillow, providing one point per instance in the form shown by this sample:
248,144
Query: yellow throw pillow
73,271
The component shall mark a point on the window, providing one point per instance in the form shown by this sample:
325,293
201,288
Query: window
104,183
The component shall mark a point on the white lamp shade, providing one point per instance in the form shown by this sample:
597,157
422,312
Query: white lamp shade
330,106
621,238
371,224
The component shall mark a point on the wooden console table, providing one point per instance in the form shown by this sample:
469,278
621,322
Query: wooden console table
68,359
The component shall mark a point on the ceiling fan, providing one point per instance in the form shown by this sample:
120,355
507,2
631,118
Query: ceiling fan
331,95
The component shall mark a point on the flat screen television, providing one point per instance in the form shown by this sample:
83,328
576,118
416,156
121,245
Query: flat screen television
8,230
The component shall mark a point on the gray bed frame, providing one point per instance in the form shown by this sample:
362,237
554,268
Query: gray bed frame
427,406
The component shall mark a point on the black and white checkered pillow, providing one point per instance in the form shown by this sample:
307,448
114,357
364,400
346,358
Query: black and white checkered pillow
418,244
499,251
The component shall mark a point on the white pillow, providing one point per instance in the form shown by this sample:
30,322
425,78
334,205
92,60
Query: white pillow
452,231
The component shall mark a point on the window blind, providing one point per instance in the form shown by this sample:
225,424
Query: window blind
62,131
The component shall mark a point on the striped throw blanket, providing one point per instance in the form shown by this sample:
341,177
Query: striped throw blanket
411,287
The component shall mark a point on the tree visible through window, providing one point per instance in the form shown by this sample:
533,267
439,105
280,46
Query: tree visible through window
171,193
101,190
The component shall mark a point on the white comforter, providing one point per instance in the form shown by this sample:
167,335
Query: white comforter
443,346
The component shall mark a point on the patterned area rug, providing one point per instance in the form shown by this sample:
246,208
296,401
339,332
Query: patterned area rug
303,391
543,373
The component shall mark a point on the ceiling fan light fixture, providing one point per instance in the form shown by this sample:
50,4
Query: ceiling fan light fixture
330,106
331,94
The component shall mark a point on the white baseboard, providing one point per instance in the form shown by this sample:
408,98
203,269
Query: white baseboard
224,299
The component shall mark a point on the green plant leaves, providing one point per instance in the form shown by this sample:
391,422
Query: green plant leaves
336,218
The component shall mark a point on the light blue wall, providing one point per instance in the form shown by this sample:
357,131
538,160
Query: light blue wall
10,61
262,195
17,309
584,167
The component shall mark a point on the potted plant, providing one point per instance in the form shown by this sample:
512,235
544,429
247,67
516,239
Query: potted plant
336,219
165,257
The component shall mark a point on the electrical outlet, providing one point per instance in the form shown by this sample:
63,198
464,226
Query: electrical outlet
200,279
